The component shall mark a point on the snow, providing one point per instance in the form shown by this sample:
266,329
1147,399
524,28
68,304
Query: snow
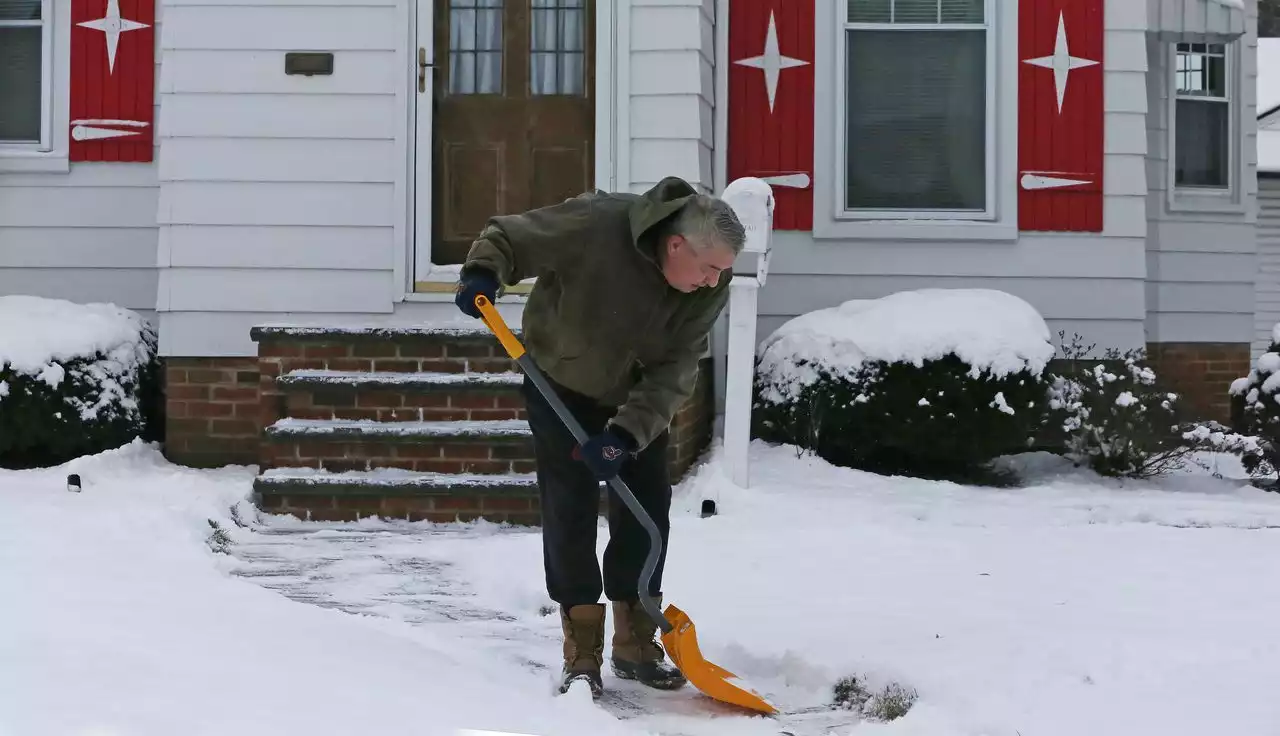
485,427
990,330
321,375
36,334
1073,605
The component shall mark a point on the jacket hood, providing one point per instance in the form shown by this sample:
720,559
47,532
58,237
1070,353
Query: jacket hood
662,200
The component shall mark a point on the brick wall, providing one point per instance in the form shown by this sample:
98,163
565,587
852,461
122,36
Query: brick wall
216,408
511,508
211,408
1201,373
691,429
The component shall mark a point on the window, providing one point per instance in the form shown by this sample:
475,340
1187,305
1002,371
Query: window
26,56
475,47
1202,117
917,110
556,48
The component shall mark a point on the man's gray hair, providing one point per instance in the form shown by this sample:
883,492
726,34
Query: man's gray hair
706,220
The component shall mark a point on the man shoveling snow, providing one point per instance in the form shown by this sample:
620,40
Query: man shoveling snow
628,287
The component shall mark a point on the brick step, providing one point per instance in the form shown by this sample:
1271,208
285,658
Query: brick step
476,447
391,396
453,349
318,495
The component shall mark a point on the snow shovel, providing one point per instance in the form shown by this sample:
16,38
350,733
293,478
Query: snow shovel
678,634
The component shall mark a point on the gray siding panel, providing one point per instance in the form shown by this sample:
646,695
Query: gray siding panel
1202,257
280,196
1119,301
671,93
131,288
1268,287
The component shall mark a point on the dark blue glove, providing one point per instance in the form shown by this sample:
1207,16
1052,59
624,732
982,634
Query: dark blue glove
474,282
606,452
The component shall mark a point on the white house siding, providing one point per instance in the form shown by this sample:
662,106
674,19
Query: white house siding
86,235
1092,284
1268,287
1201,260
668,84
279,195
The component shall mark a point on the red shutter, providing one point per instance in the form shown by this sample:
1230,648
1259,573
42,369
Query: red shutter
1060,149
113,71
775,144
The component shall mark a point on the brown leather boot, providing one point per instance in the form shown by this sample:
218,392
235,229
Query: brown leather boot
583,627
637,655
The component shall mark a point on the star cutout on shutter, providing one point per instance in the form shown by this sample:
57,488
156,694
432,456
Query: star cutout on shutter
1061,62
772,62
112,25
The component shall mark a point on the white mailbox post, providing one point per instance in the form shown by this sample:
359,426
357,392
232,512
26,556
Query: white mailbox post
752,200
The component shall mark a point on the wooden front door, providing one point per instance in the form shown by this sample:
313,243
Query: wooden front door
513,113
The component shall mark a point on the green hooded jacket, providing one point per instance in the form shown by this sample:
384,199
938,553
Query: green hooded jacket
601,319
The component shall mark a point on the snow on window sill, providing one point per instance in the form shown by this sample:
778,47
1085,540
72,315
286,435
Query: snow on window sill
26,161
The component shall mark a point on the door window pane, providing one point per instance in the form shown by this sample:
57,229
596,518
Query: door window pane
557,47
475,47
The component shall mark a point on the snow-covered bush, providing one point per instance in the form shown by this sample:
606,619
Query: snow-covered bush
932,383
75,379
1255,414
1112,414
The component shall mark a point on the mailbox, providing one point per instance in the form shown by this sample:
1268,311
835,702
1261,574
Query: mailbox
752,200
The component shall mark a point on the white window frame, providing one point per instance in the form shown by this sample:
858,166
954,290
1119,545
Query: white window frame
991,26
1188,198
50,153
46,79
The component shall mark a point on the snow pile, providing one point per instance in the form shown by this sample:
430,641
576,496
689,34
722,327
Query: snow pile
102,347
38,334
119,619
989,330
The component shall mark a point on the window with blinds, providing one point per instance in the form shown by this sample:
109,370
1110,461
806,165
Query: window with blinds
917,76
22,82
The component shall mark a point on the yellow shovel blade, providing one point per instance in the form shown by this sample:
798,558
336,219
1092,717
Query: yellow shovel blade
717,682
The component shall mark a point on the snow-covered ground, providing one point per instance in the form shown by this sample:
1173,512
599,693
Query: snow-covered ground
1068,607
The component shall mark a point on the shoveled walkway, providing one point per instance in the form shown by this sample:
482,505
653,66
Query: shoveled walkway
405,572
390,572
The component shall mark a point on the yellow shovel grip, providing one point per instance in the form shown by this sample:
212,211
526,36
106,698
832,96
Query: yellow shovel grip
490,315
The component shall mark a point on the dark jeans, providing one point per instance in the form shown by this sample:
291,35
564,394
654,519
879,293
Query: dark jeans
570,497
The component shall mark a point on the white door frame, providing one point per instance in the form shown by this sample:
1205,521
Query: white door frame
422,42
611,133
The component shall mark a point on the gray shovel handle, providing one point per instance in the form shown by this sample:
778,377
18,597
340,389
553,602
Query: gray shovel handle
655,538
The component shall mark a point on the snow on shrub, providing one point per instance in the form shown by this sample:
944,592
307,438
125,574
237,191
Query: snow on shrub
1113,415
1255,412
75,379
931,383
